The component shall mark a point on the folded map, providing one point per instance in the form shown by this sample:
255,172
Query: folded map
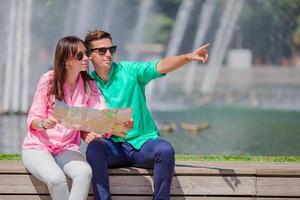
92,120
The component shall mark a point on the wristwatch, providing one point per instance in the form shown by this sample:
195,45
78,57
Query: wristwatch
41,124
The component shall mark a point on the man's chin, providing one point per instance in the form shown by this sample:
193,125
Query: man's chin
104,65
108,62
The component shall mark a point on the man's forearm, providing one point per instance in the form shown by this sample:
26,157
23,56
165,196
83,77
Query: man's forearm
171,63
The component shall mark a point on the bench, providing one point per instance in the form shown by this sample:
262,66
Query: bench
191,181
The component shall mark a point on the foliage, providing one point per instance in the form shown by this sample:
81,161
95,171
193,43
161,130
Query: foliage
160,23
296,35
269,27
160,28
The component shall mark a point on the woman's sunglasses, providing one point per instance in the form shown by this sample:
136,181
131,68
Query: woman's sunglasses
79,56
102,50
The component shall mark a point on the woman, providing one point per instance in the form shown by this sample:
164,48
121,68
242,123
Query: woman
51,150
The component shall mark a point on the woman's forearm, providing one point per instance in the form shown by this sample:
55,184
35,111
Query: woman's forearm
37,124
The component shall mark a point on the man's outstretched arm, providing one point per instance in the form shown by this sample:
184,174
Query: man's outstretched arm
172,63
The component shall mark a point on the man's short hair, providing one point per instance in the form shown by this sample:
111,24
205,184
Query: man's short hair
95,35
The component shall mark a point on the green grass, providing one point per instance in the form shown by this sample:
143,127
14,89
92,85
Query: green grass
242,158
10,157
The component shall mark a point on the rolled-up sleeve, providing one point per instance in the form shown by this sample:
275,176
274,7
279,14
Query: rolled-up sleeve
144,71
39,104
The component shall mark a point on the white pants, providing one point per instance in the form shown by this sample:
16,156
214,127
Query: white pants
50,169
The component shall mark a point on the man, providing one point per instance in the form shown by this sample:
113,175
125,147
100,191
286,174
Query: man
123,86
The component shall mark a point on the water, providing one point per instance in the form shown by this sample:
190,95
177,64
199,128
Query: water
12,133
233,130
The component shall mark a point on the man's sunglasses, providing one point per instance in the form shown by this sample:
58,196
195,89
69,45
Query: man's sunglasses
102,51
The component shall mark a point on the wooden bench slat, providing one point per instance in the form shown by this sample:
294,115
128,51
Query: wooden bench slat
191,168
25,197
184,198
274,198
183,185
276,169
188,185
272,186
264,181
12,167
47,197
21,184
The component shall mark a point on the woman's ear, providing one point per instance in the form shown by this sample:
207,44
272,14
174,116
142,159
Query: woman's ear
67,64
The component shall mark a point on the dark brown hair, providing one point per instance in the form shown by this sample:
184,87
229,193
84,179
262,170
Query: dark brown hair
95,35
66,48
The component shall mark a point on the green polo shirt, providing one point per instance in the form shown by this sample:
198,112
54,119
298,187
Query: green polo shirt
125,88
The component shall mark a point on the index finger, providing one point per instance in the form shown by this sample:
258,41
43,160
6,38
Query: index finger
204,46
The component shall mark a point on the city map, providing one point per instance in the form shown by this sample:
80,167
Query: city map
92,120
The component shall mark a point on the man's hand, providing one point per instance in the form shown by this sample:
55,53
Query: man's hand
89,136
127,125
199,54
172,63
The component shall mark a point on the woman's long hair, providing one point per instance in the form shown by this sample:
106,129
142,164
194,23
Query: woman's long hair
66,48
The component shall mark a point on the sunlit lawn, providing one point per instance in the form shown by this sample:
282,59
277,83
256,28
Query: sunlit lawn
241,158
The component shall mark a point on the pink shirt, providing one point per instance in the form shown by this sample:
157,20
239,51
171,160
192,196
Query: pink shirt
59,138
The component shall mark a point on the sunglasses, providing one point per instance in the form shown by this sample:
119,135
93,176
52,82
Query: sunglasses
79,56
102,50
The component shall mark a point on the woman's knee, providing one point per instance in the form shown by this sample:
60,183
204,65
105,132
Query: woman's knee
84,172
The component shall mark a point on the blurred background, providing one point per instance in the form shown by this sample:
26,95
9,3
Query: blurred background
245,100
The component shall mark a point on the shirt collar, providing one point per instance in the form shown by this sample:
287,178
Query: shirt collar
98,79
79,85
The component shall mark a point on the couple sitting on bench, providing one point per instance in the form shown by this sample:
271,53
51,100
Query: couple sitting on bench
51,146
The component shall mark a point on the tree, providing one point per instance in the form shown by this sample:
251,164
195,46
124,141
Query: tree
270,28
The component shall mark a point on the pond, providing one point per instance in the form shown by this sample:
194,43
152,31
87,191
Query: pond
232,130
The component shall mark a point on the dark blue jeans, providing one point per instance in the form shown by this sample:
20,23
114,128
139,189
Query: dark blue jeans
155,154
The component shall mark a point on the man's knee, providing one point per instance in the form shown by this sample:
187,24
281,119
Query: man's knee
165,150
95,150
